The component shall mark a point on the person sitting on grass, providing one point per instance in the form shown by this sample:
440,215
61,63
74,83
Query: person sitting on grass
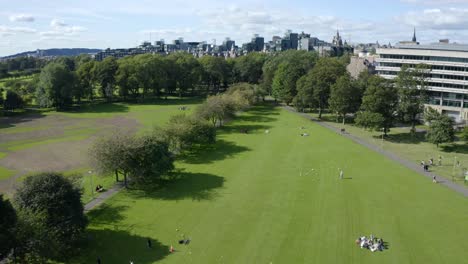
99,188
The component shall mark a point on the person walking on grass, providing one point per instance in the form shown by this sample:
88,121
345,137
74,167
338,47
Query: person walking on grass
341,174
149,243
434,180
440,160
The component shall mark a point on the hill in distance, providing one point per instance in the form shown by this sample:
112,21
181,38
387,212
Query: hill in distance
54,53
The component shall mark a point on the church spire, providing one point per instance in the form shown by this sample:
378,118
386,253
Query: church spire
414,35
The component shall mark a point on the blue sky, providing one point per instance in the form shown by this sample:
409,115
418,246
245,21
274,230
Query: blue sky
34,24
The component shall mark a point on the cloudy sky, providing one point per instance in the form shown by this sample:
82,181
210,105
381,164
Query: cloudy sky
40,24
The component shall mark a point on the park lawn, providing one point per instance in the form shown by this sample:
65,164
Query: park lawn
416,149
252,198
5,173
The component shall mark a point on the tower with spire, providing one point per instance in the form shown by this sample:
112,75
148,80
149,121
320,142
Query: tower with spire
414,35
337,41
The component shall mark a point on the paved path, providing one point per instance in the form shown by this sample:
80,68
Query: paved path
102,197
411,165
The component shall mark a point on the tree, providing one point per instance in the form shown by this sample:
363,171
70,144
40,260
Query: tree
345,97
411,85
8,221
150,159
249,68
1,97
56,85
182,132
216,109
85,80
111,154
12,101
440,128
324,74
126,77
215,71
305,90
284,82
189,71
104,73
54,204
379,105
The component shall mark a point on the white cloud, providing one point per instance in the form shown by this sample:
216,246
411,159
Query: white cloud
21,18
60,28
57,23
8,31
438,19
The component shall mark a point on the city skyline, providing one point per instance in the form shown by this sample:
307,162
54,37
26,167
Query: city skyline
30,25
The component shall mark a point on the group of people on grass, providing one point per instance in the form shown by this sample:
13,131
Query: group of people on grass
372,243
425,165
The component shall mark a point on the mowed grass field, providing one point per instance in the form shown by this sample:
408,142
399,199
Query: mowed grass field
245,200
59,141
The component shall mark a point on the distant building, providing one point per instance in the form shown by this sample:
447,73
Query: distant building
447,79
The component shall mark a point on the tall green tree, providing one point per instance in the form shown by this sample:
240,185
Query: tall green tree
55,88
127,77
215,72
345,97
53,205
284,82
305,91
85,80
8,221
189,72
249,68
379,105
12,101
411,85
104,74
324,74
440,127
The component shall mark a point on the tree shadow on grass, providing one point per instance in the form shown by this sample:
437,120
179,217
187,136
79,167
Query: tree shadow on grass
182,185
8,120
207,154
404,138
98,108
107,214
255,118
455,148
120,246
244,129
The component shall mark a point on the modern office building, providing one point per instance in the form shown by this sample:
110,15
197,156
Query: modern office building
258,43
447,79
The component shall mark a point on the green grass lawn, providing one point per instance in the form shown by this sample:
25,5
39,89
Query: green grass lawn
415,148
245,201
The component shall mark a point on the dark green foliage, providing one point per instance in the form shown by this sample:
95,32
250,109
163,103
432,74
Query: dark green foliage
345,97
411,85
325,73
85,81
12,101
215,71
440,127
249,68
149,159
379,105
182,132
52,220
56,86
104,73
8,221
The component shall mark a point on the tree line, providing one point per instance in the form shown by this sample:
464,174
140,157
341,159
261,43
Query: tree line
45,220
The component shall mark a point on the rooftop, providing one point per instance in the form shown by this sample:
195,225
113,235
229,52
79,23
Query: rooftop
435,46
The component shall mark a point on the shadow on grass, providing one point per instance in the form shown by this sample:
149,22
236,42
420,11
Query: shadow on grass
242,129
98,108
455,148
11,119
207,154
120,246
404,138
255,118
107,214
182,185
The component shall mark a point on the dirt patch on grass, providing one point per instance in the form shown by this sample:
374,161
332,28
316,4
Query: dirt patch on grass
64,147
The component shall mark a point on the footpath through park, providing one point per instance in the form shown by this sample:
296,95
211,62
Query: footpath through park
411,165
103,197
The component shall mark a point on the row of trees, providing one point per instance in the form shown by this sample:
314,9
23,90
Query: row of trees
149,157
45,221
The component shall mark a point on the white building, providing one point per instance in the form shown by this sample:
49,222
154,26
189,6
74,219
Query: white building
447,80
